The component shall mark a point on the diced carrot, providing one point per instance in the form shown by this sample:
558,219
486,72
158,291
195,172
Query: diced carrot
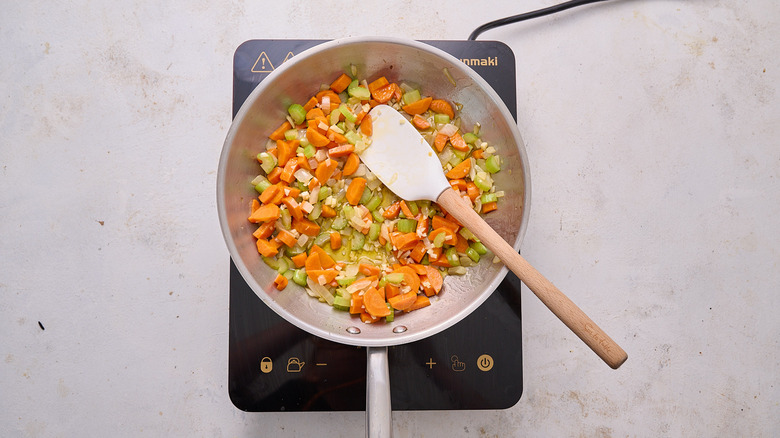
406,210
325,170
442,107
441,222
266,212
418,252
363,283
267,248
305,226
404,241
303,163
458,143
313,262
300,260
490,206
335,240
314,113
391,290
356,304
398,92
316,138
311,103
280,282
287,238
265,230
441,261
410,277
449,235
328,211
376,84
403,301
440,141
419,269
478,153
420,301
374,303
472,191
341,83
461,244
325,259
367,319
334,100
355,190
272,195
391,212
285,151
255,205
434,278
321,276
420,122
351,165
274,175
278,134
288,172
336,138
418,107
341,150
366,269
458,184
460,171
314,182
293,207
366,126
384,93
422,225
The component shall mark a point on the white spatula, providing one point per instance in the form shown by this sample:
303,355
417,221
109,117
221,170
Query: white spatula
407,165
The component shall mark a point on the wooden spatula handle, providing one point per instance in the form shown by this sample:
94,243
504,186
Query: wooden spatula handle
568,312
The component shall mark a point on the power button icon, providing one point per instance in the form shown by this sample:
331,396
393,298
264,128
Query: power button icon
485,362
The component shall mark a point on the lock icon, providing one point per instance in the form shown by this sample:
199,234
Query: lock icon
266,365
294,365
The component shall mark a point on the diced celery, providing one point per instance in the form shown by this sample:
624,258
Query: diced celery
406,225
358,240
473,254
352,137
358,92
291,134
300,277
438,241
339,223
373,231
286,218
347,113
284,265
267,161
478,247
322,239
334,117
441,119
297,113
455,159
452,256
470,138
262,185
413,207
481,183
391,316
468,235
377,216
456,270
309,150
272,262
342,303
347,211
395,278
411,97
342,126
346,281
460,154
488,197
374,202
364,198
493,164
325,191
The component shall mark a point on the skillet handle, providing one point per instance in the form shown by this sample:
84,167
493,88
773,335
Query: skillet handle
379,412
568,312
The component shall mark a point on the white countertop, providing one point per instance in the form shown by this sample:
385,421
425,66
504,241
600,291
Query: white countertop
652,131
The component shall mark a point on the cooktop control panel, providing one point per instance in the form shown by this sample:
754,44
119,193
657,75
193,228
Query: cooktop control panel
273,366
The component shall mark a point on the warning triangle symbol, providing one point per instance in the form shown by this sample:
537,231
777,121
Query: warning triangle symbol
263,64
289,55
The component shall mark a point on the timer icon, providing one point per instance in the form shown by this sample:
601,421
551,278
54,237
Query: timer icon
485,362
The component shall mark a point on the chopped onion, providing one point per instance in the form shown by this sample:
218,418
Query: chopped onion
303,176
320,290
325,104
449,129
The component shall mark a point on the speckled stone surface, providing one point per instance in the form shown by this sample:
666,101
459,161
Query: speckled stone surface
652,131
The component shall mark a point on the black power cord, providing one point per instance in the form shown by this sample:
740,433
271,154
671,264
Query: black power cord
528,15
